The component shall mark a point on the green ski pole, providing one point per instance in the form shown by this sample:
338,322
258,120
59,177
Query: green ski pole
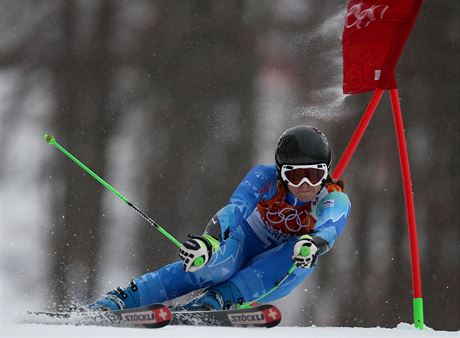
50,139
305,251
277,285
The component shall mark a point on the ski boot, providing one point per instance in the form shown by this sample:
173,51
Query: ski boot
118,299
218,297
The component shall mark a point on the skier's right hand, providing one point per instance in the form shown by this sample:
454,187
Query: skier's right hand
196,252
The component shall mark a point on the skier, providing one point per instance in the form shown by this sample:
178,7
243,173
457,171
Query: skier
292,211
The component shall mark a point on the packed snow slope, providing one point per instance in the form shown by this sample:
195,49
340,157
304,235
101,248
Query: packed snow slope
50,331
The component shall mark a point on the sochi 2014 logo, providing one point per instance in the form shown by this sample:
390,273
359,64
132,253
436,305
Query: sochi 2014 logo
361,15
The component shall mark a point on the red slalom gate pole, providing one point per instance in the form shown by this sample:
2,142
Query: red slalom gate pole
358,134
410,209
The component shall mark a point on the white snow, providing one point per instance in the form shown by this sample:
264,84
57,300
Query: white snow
49,331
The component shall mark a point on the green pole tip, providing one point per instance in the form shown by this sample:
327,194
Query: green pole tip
418,313
48,138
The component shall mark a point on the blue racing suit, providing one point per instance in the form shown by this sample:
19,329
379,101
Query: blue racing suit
258,229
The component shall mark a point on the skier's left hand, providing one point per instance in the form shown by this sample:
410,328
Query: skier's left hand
196,252
305,252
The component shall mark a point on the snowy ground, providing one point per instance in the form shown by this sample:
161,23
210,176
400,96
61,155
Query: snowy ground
49,331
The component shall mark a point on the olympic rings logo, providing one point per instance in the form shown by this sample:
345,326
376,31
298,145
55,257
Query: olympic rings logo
291,218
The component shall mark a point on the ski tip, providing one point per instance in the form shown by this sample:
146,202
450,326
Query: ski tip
48,138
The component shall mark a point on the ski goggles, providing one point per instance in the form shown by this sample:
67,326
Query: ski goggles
296,175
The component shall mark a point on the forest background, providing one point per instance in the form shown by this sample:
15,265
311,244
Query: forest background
172,102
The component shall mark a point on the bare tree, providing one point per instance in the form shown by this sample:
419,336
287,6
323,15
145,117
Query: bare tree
84,119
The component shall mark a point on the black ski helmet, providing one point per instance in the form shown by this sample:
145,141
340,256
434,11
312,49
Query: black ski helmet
302,145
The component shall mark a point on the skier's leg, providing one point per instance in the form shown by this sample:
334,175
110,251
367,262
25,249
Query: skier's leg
216,297
258,276
171,281
223,295
261,273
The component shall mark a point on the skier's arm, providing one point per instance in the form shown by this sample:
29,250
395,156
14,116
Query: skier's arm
259,184
332,213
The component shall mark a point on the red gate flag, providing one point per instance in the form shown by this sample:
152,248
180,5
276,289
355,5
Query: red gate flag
374,35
